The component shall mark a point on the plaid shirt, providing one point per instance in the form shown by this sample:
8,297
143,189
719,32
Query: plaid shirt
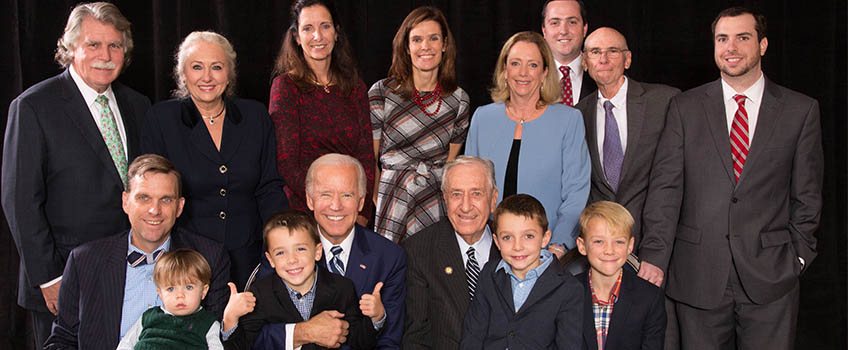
603,310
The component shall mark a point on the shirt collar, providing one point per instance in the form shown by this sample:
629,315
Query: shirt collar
89,94
754,93
620,98
346,244
575,65
162,307
132,248
484,241
294,294
544,255
613,292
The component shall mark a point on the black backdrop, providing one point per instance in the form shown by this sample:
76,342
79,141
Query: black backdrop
670,40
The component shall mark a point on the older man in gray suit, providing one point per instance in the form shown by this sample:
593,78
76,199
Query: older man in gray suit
734,199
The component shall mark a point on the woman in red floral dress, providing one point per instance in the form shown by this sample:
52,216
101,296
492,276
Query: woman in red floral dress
318,103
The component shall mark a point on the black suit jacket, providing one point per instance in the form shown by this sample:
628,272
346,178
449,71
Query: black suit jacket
699,222
436,290
550,318
60,187
91,297
647,105
274,306
587,88
247,189
638,317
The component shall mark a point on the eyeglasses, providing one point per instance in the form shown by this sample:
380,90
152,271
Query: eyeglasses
612,52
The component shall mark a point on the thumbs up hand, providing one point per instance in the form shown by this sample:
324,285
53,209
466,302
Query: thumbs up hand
371,304
240,304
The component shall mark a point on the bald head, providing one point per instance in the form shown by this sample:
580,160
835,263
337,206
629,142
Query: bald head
606,58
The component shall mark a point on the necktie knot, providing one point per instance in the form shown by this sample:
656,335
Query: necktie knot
336,264
336,250
740,99
102,100
608,106
136,259
565,70
470,252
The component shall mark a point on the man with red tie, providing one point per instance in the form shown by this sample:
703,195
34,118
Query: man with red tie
736,193
564,28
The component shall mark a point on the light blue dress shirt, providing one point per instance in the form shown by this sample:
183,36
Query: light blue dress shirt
139,289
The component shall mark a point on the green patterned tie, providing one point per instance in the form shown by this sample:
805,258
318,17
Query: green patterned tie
109,130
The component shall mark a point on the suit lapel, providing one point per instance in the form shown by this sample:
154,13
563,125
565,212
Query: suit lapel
767,119
323,293
112,281
455,281
231,136
503,288
717,121
590,118
358,261
590,335
620,311
281,293
199,135
635,120
547,282
129,118
78,112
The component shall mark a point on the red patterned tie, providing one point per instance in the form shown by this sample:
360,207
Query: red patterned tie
567,98
739,139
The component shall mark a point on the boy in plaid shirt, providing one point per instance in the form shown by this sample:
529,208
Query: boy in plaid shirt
621,310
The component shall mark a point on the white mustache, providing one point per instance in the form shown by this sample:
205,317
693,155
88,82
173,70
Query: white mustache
104,65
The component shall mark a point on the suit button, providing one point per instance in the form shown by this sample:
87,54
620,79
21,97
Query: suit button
223,192
727,237
511,333
222,215
222,169
734,199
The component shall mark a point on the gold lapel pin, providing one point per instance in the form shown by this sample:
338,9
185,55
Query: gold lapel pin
449,270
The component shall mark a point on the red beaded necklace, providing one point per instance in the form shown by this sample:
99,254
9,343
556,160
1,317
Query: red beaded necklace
428,101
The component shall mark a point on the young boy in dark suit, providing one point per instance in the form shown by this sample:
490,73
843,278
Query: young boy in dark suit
299,290
524,300
621,310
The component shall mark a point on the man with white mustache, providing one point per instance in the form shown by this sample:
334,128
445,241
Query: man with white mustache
735,198
65,155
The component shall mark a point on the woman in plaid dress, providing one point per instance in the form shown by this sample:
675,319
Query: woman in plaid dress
419,118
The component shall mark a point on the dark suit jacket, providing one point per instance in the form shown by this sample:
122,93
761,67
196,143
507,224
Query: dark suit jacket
273,305
248,189
647,105
373,258
92,294
587,88
762,224
551,318
436,300
60,187
638,317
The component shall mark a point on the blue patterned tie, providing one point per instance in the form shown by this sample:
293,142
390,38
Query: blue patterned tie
336,265
613,154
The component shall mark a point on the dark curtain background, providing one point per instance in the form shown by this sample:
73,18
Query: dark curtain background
670,40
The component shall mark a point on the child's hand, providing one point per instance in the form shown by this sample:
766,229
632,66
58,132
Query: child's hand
371,305
240,304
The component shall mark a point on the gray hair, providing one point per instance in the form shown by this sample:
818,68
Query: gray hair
461,160
182,54
101,11
336,159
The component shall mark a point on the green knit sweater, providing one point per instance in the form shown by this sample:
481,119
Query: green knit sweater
162,331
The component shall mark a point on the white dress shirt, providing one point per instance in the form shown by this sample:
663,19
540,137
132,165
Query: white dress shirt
481,248
619,111
753,100
89,95
576,76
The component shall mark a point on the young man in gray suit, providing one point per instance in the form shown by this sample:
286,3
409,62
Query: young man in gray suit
734,199
68,140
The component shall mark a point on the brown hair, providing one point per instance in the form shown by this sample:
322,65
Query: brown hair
759,20
616,216
292,220
401,69
103,12
579,3
155,163
522,205
290,60
550,91
181,266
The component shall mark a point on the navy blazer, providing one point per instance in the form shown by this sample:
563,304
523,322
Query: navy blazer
274,305
60,187
638,317
91,297
550,318
229,193
373,258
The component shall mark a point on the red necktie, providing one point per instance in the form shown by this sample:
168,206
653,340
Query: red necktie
567,98
739,139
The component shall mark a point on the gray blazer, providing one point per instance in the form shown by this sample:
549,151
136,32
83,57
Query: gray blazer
698,222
